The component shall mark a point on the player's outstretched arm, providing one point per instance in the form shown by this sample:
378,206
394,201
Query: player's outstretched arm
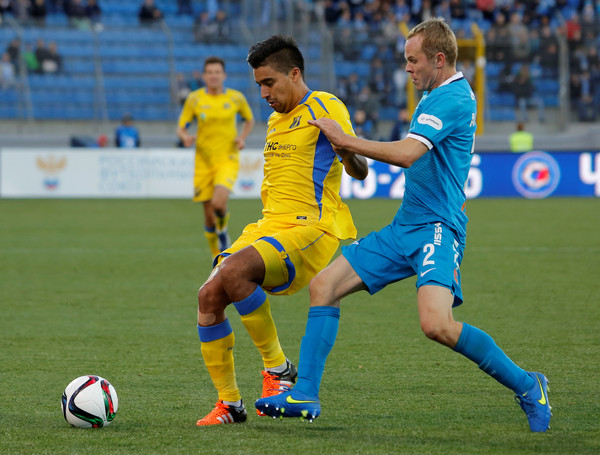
399,153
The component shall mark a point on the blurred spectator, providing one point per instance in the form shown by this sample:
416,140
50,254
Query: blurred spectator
75,11
379,79
499,38
520,43
522,88
423,13
51,61
202,27
468,70
212,30
196,82
521,141
40,52
345,45
7,72
6,7
400,78
443,10
184,7
573,30
14,52
183,89
20,10
458,10
149,13
400,127
368,102
332,11
31,61
363,127
37,12
584,103
223,30
548,54
126,134
102,140
93,12
487,8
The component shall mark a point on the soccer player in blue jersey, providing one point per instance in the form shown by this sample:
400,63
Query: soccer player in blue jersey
426,238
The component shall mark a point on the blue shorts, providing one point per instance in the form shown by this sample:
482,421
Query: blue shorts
430,251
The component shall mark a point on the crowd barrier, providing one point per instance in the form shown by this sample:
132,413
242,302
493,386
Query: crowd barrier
168,173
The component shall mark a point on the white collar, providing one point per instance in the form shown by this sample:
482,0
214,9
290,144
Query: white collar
457,76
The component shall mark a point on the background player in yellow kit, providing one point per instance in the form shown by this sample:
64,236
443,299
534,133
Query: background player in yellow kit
218,144
303,221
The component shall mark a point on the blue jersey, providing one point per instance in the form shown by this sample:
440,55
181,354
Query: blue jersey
444,121
127,136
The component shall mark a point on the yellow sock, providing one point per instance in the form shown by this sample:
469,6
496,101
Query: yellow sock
255,311
213,242
218,357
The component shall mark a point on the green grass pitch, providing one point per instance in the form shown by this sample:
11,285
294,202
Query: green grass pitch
108,287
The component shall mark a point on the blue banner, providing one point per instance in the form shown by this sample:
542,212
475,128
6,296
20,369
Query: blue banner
532,175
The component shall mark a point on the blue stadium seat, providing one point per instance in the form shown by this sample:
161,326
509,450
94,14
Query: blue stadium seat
76,50
502,114
68,112
9,110
133,82
77,65
61,81
9,96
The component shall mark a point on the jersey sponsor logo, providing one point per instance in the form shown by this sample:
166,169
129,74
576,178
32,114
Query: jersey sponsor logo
536,175
437,237
431,120
272,146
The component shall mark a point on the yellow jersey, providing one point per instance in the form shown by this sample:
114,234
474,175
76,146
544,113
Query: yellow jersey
302,173
216,116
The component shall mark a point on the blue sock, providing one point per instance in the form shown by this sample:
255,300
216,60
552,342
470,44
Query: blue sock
479,347
318,340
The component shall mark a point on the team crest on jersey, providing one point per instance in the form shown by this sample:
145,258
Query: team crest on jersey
295,122
227,106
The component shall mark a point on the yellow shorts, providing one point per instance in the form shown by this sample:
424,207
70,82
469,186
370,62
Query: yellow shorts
292,254
208,175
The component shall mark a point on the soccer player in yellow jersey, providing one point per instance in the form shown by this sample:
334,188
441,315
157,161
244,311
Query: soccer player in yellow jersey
303,222
218,145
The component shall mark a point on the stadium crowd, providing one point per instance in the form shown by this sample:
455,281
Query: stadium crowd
522,43
522,39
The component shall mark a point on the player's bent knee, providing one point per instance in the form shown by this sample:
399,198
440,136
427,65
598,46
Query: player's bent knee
210,300
433,331
320,291
442,333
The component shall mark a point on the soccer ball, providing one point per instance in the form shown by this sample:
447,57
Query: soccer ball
89,402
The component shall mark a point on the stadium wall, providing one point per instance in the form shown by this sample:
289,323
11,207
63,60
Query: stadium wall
168,173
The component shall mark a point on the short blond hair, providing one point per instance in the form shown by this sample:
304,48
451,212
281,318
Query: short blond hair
437,37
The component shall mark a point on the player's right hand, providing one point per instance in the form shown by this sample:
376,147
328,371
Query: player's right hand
189,141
